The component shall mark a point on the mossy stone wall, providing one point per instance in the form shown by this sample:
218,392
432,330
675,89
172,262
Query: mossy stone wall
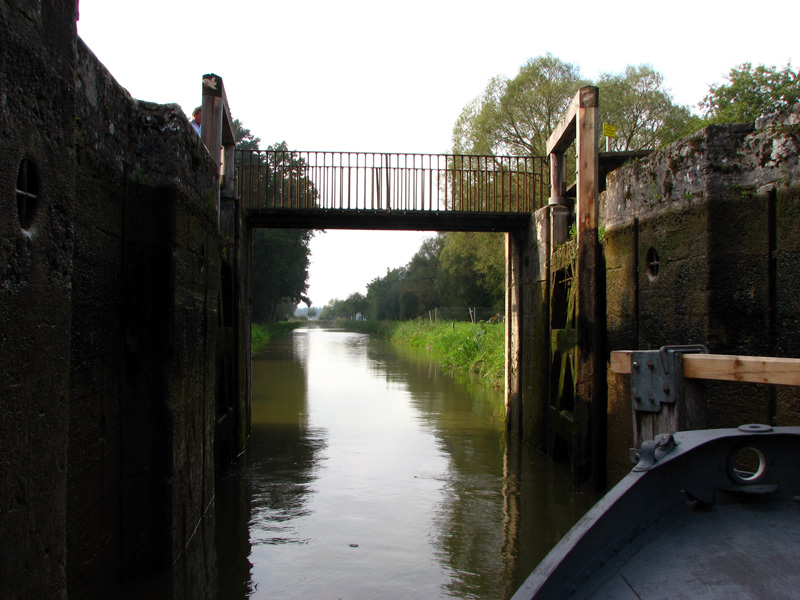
702,248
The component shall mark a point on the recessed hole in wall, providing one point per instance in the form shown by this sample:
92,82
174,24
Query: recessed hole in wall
27,193
653,264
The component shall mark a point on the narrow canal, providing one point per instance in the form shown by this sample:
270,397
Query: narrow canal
374,475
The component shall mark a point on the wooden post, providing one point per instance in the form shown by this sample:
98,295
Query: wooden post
590,376
587,210
217,133
580,125
513,325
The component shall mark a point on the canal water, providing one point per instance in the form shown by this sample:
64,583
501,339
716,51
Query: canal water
374,475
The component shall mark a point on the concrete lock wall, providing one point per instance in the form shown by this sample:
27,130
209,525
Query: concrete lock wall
701,247
110,300
37,155
147,270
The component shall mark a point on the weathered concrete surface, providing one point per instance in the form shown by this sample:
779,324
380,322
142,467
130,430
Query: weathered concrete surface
36,123
109,298
146,287
702,247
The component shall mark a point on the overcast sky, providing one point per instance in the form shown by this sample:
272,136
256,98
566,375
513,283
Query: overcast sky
394,76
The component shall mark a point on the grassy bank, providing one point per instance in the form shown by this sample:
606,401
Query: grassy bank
262,333
462,347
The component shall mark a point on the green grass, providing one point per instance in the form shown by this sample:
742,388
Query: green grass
262,333
462,347
478,349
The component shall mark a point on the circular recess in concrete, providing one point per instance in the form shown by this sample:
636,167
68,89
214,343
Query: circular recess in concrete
27,193
653,263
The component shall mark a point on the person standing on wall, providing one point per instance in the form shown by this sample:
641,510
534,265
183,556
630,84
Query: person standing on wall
196,118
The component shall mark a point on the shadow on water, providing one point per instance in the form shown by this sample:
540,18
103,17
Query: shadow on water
373,474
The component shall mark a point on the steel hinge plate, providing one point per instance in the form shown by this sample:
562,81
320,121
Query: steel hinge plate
653,377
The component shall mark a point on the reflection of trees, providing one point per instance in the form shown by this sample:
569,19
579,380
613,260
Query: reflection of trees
505,505
541,507
470,520
284,450
502,509
272,488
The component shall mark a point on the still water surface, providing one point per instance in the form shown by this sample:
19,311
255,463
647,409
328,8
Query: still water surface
374,475
371,474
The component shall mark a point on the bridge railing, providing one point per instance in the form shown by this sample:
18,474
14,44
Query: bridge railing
284,179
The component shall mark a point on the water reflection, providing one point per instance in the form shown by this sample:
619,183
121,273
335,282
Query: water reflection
372,474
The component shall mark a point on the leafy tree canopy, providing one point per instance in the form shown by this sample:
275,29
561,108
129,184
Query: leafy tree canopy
280,271
751,92
516,116
244,139
281,257
350,308
641,108
476,264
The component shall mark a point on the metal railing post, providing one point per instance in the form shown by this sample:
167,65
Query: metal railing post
354,181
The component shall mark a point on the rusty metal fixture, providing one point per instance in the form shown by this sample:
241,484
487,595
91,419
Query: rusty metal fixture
348,181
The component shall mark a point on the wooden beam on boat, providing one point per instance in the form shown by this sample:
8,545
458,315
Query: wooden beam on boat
723,367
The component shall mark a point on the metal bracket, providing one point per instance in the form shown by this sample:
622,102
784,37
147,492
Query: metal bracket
652,451
653,378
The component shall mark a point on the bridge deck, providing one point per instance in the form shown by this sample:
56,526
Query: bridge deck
398,220
369,190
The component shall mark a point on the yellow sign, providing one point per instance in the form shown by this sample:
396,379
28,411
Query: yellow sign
609,130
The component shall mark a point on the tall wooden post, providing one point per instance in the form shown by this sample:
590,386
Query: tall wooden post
513,326
590,380
588,415
217,133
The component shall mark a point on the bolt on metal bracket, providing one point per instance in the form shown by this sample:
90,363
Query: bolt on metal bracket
653,377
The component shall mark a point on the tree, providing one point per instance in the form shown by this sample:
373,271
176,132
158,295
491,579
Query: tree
475,263
245,140
516,116
356,304
280,271
751,93
513,117
641,108
280,256
425,273
384,293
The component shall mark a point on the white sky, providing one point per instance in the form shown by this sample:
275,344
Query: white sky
394,76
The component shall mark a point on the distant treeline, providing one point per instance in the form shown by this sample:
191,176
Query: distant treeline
449,269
